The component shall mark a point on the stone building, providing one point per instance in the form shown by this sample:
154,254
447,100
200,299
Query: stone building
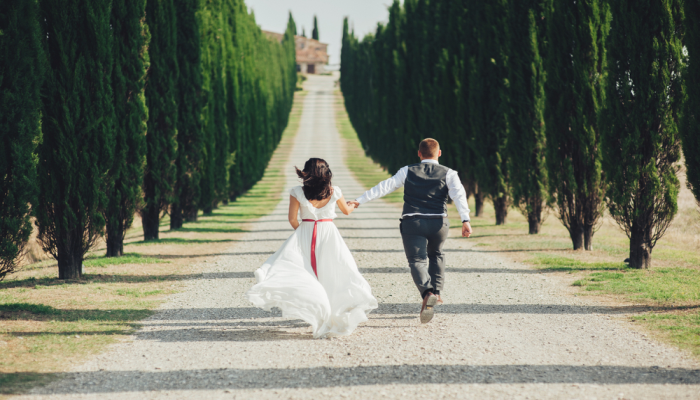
312,55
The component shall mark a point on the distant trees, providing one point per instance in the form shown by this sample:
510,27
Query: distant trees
21,75
125,195
538,102
575,65
150,106
644,96
77,150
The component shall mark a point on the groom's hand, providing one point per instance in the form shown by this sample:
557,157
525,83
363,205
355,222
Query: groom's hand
354,203
466,229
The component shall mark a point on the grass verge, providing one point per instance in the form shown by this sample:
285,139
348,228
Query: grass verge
47,325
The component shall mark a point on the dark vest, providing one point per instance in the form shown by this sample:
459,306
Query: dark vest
425,190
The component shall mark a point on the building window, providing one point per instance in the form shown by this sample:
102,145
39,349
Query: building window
298,68
311,68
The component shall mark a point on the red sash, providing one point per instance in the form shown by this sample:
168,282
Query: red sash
313,241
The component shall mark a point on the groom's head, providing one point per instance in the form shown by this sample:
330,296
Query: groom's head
429,149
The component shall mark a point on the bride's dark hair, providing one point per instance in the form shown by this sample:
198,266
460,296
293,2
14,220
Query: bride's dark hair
317,179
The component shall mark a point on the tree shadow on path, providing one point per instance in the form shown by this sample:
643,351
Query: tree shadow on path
330,377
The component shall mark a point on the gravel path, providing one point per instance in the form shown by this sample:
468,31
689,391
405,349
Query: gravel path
505,330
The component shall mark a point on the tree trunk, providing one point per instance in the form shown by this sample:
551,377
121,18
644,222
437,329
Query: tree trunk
534,217
534,221
500,205
208,210
640,248
151,223
588,238
224,202
191,215
175,216
115,246
576,233
478,203
70,262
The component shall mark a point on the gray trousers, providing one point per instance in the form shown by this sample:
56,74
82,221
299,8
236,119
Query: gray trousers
422,241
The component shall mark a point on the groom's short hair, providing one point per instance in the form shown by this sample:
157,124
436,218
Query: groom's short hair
429,147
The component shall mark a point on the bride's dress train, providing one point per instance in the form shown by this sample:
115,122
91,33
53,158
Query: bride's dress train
335,302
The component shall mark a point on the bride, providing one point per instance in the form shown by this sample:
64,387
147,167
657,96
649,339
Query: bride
313,276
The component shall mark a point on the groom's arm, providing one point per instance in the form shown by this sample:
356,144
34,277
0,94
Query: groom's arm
458,194
385,187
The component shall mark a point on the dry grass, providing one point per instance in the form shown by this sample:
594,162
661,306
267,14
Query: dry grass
48,325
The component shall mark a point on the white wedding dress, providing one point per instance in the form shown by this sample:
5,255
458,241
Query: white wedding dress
335,302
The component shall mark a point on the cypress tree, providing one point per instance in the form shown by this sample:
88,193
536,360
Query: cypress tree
222,154
128,81
644,95
232,96
161,99
575,66
526,134
189,122
690,127
77,128
314,33
22,69
488,103
214,181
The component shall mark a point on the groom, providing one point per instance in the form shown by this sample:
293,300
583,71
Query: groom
424,224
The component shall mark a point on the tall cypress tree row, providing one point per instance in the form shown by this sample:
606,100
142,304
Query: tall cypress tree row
22,69
575,66
526,133
690,124
189,115
78,129
161,99
644,95
128,80
488,103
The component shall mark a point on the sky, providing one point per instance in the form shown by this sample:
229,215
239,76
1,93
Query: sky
363,15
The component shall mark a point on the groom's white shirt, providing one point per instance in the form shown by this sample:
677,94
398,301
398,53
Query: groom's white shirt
454,185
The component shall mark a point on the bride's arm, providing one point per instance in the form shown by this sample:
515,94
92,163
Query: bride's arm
293,211
344,206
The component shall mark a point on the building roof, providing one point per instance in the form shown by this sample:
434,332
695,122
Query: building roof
309,51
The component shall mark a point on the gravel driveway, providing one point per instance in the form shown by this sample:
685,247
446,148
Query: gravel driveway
505,331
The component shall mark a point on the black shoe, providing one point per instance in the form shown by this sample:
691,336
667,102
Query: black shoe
428,310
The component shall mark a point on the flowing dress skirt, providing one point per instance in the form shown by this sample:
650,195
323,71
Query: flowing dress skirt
335,302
